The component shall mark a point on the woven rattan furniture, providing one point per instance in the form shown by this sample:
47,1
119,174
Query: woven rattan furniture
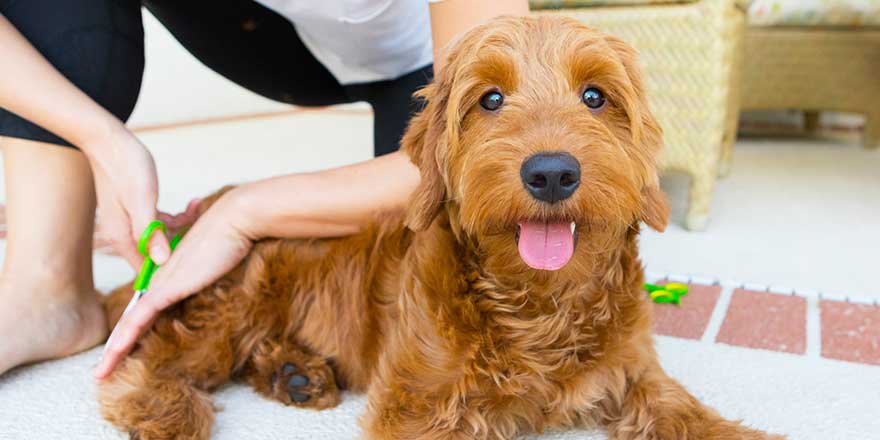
687,51
814,68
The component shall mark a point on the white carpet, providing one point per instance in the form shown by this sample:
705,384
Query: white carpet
809,399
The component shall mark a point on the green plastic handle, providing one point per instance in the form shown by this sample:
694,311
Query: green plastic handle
143,277
145,236
142,281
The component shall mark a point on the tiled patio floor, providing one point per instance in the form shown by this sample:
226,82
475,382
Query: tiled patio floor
774,322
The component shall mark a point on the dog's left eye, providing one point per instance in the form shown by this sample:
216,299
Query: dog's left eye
593,98
492,101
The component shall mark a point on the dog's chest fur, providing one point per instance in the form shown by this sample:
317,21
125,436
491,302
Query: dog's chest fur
523,340
529,336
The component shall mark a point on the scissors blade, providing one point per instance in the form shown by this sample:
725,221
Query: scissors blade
134,299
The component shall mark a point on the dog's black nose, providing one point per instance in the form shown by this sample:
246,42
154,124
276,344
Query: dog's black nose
551,177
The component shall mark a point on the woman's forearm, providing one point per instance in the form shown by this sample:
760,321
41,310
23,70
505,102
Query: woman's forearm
33,89
450,18
340,201
326,203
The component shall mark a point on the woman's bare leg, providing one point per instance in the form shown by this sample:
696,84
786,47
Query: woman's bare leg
48,304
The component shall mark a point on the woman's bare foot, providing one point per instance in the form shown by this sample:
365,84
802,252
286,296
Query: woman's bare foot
48,304
47,321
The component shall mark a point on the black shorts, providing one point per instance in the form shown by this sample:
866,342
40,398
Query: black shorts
99,46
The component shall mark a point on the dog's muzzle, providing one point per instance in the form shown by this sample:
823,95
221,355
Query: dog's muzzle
549,178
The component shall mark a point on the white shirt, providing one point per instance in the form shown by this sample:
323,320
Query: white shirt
361,41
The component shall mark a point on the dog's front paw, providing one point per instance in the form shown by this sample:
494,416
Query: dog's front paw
307,384
292,375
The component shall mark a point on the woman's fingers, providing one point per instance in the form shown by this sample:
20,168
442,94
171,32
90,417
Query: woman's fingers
143,214
159,248
126,333
166,218
193,206
183,219
119,234
127,189
128,251
136,321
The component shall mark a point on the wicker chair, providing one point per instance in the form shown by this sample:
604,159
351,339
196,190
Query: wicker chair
687,52
814,68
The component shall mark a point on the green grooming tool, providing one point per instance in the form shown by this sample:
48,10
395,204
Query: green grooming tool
668,294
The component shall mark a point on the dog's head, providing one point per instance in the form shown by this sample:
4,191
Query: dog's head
536,136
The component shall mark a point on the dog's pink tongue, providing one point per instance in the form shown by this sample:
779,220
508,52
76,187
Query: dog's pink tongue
546,245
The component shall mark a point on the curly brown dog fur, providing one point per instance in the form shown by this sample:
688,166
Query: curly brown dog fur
433,312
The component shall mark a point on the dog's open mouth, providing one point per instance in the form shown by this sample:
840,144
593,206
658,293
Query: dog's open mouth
546,245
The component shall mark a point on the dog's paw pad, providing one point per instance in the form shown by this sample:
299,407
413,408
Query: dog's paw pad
297,381
295,388
298,397
287,369
304,384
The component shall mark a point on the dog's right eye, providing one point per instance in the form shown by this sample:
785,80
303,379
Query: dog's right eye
593,98
492,101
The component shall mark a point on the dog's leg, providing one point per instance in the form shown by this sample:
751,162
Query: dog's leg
161,390
422,408
656,407
395,421
151,405
289,373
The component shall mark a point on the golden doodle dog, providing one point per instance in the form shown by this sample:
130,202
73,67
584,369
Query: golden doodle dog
506,300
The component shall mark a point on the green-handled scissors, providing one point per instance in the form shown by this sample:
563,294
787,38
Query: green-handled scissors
148,267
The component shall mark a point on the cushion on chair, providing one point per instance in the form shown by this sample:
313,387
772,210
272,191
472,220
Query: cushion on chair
561,4
814,13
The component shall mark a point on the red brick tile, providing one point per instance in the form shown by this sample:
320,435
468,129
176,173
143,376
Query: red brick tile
689,320
765,320
850,332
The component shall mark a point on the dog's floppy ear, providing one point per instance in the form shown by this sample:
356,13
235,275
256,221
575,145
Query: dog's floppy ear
434,130
647,134
426,142
655,208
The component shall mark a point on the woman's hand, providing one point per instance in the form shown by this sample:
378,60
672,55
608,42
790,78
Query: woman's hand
125,175
126,186
217,242
329,203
